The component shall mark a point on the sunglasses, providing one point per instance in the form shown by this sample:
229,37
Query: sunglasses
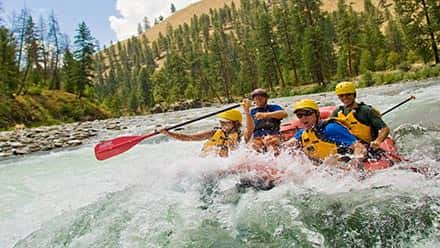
344,95
304,113
226,122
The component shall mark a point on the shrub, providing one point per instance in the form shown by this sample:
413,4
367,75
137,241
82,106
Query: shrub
367,79
34,90
404,66
393,60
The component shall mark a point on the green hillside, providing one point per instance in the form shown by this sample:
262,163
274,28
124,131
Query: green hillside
46,108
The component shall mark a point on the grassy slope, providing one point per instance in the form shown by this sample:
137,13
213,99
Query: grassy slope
46,108
185,15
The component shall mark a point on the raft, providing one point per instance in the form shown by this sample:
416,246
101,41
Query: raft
383,159
265,176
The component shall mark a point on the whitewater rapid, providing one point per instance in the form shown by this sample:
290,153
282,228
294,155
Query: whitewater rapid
151,196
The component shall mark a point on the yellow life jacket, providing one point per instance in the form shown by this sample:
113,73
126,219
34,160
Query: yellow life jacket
358,129
220,143
315,147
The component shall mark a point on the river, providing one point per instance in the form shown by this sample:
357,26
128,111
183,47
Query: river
154,195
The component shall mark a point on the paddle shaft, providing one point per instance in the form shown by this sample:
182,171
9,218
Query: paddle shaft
113,147
202,117
194,120
398,105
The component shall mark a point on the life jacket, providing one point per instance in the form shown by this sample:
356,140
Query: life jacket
221,141
269,124
316,147
357,128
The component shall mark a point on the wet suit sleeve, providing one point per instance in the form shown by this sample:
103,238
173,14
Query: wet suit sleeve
339,134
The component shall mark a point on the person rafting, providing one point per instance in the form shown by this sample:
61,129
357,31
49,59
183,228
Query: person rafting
362,120
220,141
263,122
320,139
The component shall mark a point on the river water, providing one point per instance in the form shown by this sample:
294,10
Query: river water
157,194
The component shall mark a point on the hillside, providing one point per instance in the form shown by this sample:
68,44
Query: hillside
185,15
223,54
46,108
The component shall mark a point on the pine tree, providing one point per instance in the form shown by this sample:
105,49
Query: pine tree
32,51
268,50
83,53
172,8
372,39
8,64
347,27
55,38
317,47
70,72
420,20
288,38
44,46
19,28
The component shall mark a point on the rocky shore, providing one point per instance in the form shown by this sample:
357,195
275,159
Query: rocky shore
29,140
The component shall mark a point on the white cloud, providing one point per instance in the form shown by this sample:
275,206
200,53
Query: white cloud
133,11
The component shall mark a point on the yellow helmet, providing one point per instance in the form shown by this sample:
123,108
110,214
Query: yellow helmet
345,88
231,115
306,104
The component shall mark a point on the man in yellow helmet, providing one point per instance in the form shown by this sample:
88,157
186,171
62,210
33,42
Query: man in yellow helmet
362,120
320,139
221,140
263,122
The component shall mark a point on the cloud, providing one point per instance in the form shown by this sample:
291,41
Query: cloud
133,11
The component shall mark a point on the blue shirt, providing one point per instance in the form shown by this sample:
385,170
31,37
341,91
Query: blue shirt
333,132
269,126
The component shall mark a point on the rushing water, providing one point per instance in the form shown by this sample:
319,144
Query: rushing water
162,194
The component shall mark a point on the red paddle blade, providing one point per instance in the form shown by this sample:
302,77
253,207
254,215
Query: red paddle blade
113,147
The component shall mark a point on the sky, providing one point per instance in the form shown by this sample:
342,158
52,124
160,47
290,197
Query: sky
108,20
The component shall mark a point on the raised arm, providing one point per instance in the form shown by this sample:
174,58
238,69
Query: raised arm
279,114
250,125
188,137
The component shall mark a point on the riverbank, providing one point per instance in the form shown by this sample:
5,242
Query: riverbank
47,107
40,139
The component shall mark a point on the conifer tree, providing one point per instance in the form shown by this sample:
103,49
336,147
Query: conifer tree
70,72
288,38
268,51
32,51
83,53
372,38
8,64
347,26
420,20
55,38
19,28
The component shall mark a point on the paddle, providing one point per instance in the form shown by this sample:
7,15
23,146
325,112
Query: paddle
113,147
398,105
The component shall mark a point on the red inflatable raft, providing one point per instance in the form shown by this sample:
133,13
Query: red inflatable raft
265,176
388,155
